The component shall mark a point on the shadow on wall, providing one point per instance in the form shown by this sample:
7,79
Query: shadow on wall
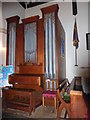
85,78
83,72
86,85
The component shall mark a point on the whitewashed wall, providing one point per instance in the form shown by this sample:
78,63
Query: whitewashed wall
89,30
88,17
67,20
0,14
11,9
0,32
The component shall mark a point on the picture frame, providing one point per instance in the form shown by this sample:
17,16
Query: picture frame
88,41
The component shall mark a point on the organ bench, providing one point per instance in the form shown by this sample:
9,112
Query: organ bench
25,94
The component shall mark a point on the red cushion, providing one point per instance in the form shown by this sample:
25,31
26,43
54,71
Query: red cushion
49,94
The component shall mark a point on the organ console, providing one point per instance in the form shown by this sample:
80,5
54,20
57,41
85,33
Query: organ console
34,49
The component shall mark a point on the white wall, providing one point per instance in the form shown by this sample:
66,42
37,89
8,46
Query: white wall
9,9
67,20
89,29
0,14
0,32
88,17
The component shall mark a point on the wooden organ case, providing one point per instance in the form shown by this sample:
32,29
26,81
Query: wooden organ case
38,53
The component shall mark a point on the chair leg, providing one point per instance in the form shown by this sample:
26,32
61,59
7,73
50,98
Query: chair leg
43,103
59,110
30,110
65,114
55,104
68,111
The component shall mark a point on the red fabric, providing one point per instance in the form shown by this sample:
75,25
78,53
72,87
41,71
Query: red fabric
49,94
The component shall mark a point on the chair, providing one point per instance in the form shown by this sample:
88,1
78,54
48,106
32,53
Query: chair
63,103
50,94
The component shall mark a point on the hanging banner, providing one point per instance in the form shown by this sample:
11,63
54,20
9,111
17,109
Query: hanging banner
75,40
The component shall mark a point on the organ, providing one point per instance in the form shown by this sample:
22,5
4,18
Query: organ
36,49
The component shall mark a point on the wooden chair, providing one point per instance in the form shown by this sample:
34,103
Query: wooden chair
63,103
50,94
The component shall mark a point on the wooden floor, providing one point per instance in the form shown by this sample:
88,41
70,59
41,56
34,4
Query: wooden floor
48,113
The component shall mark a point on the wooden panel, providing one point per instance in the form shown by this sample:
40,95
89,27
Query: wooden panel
28,86
33,80
61,60
29,69
19,100
13,19
40,43
78,105
30,19
49,101
19,107
19,45
49,9
7,94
